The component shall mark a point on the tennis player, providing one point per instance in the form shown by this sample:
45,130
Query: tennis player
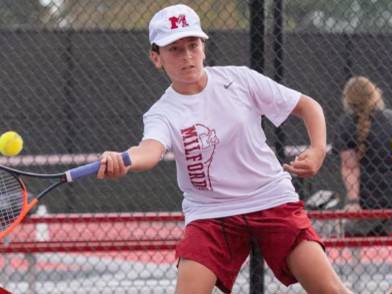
235,190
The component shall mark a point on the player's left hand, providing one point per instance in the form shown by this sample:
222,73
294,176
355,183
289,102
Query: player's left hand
306,164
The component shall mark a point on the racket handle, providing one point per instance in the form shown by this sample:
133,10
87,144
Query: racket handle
91,168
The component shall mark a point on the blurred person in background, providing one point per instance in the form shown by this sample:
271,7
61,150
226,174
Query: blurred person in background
363,141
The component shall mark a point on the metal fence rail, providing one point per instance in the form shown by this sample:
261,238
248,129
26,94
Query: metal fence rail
151,238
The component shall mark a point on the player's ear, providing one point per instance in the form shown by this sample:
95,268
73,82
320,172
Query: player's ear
155,59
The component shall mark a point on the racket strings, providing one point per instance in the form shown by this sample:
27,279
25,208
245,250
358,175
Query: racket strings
11,199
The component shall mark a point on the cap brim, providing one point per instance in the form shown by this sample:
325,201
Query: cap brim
174,37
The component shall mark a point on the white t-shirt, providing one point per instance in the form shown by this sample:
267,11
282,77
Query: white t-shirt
224,166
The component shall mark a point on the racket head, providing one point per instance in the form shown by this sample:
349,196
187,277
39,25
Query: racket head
14,202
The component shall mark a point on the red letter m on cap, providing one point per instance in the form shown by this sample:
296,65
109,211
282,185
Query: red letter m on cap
178,21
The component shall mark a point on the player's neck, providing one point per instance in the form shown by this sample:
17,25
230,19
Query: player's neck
184,88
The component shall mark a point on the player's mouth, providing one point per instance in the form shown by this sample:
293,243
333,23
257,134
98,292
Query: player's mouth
188,68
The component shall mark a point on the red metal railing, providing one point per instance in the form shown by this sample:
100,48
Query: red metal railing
140,231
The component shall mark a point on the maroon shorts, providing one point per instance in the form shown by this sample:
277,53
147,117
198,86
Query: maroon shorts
223,244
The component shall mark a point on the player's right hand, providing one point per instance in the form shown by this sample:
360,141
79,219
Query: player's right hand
306,164
112,165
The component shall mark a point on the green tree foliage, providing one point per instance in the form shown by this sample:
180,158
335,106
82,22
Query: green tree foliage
299,15
21,13
135,14
338,15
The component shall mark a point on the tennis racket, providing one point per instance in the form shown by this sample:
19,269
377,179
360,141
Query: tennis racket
16,202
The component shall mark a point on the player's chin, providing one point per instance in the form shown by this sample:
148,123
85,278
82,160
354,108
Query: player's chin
190,78
194,73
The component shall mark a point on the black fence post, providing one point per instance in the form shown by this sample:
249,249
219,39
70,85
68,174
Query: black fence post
256,267
257,35
278,67
348,56
69,95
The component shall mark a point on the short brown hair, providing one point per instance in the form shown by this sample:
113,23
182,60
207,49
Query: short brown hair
155,48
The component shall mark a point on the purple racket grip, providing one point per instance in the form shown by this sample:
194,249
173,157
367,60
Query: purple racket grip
91,168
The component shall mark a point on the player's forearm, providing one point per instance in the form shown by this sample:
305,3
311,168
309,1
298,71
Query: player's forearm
145,156
313,116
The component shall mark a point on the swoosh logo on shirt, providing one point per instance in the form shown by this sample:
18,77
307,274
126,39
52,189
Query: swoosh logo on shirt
226,86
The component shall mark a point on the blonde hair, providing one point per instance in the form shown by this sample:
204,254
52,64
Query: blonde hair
362,97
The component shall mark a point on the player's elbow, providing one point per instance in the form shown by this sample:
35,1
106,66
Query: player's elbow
307,106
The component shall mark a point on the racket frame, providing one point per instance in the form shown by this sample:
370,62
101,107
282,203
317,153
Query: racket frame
63,177
18,173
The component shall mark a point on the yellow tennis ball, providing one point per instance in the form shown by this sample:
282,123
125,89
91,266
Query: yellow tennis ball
11,143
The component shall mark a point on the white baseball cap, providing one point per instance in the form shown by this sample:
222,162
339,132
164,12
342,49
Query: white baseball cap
173,23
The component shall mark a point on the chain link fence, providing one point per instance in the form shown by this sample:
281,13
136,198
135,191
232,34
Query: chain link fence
76,79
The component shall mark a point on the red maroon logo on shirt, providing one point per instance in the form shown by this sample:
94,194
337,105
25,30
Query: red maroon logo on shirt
199,147
178,21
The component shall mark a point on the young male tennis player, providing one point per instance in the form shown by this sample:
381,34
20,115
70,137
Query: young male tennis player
235,190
